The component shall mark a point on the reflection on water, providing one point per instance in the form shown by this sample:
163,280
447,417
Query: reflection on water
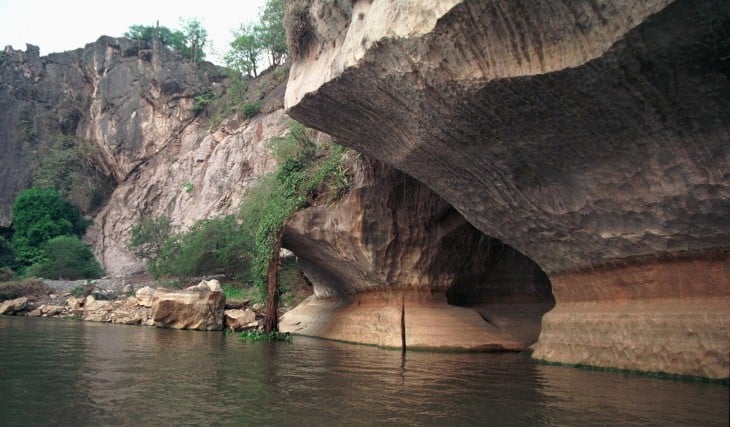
75,373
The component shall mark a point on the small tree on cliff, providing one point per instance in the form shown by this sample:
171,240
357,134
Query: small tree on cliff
306,170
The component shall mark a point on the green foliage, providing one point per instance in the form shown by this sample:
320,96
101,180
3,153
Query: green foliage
149,236
38,216
202,101
271,33
196,37
188,186
244,52
68,258
212,246
23,288
305,171
258,335
250,109
7,254
189,42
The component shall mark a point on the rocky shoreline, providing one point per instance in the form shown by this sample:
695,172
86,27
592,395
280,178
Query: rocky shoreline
135,302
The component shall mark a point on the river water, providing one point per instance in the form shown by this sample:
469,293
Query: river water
57,372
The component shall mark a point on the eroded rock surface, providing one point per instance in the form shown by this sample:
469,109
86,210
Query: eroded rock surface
196,307
585,135
392,257
148,148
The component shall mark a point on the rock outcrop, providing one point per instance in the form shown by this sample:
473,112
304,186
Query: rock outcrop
392,263
148,147
592,138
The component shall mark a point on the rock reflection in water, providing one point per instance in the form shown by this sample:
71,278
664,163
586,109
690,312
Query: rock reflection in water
75,373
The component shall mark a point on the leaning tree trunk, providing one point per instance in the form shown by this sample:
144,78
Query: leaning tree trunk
271,321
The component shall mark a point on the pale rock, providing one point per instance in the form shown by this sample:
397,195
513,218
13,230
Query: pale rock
127,289
239,319
144,296
53,310
207,285
13,306
75,303
188,309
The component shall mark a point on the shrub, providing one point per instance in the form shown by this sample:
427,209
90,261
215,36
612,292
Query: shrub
149,236
211,246
24,288
38,216
250,109
66,257
202,101
7,254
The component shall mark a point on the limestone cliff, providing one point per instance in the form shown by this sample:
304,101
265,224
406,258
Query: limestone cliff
590,136
132,106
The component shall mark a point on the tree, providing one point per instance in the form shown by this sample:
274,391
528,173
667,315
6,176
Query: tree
7,254
196,38
149,236
244,52
38,216
66,257
189,42
270,30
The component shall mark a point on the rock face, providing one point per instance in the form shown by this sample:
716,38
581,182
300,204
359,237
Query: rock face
13,306
393,257
592,138
149,151
196,307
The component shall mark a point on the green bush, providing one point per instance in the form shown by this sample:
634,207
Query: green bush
202,101
66,257
7,254
38,216
305,171
250,109
149,236
212,246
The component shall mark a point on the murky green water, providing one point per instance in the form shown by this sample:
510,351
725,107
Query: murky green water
55,372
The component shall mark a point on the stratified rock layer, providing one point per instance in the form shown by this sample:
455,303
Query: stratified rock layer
392,261
585,135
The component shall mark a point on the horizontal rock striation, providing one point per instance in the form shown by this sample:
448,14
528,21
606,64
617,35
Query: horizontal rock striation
586,135
393,251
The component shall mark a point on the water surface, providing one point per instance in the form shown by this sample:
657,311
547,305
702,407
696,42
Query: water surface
77,373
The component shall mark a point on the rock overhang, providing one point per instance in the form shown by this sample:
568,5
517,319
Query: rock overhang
576,133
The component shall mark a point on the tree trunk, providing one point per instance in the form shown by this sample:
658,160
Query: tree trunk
271,321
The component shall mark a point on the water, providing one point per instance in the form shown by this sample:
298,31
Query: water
76,373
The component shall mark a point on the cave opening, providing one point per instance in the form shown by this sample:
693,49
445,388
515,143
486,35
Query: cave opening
506,288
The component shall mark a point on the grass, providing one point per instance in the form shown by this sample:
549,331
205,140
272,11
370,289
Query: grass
236,292
258,335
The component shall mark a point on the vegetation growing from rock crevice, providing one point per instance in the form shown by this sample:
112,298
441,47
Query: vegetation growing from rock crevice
307,171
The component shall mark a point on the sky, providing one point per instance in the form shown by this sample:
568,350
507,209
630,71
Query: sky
60,25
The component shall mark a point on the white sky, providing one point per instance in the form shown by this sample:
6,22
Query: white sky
57,26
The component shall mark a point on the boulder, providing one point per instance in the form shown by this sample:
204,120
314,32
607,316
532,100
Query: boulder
191,308
239,319
92,304
13,306
75,303
207,285
144,296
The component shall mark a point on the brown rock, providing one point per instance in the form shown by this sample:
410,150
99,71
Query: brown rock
239,319
188,309
13,306
561,138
